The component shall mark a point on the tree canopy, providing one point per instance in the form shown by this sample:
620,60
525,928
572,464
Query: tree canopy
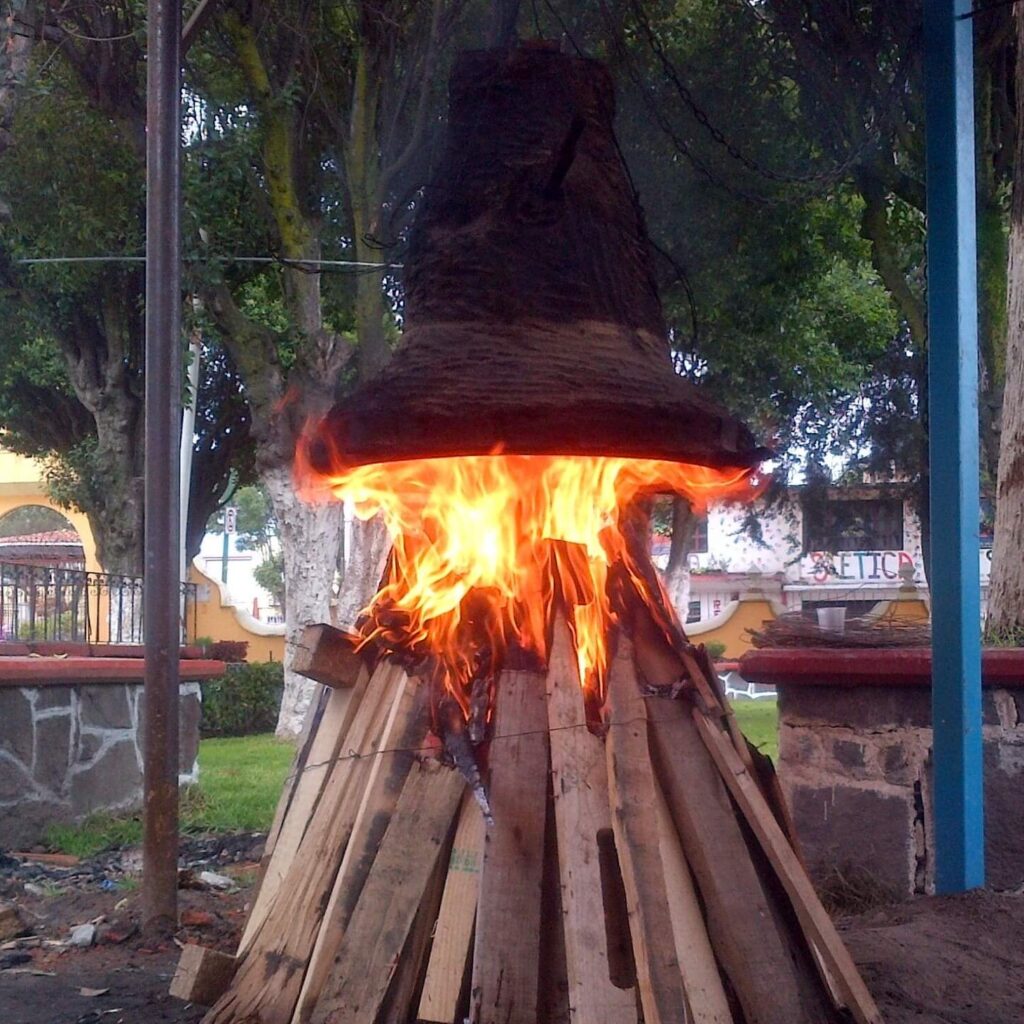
776,147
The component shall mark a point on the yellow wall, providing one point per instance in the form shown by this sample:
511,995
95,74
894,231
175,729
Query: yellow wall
904,609
730,628
218,619
21,483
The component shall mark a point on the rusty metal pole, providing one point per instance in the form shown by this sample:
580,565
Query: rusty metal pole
161,613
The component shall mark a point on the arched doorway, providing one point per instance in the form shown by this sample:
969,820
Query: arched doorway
44,588
39,535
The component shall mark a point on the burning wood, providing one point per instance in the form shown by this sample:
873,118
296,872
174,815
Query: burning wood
458,745
521,644
651,788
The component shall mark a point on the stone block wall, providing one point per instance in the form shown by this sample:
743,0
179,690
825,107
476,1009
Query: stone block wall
855,761
68,750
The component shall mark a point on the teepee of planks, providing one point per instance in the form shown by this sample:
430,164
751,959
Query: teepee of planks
635,869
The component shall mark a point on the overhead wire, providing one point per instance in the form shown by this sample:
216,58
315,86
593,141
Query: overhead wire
307,265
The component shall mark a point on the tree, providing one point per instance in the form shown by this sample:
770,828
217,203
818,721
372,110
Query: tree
1006,585
332,107
769,285
794,134
71,383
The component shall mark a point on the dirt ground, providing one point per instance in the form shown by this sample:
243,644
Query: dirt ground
934,960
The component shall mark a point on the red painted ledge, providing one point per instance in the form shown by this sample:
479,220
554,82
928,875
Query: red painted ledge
69,671
848,666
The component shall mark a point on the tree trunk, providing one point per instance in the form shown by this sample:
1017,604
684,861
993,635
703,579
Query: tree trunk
363,569
1006,589
310,536
17,38
677,572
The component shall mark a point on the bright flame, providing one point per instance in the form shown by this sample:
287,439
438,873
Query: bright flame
471,569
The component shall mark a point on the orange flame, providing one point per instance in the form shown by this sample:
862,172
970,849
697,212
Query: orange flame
471,570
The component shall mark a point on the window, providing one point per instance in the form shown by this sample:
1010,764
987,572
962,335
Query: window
693,612
699,541
874,524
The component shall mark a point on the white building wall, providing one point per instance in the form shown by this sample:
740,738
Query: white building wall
815,576
242,588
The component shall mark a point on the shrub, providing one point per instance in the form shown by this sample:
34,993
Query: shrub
243,701
715,649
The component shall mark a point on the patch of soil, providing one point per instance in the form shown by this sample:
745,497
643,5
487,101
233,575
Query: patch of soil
45,986
944,959
931,960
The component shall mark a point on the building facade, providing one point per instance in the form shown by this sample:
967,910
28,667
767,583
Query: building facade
848,547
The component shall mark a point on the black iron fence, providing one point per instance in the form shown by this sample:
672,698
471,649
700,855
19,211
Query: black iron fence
49,603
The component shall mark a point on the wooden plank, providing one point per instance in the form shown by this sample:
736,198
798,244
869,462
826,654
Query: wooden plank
310,727
407,983
202,975
739,741
635,823
394,889
453,936
579,780
370,805
740,920
553,978
661,664
702,984
325,745
506,951
812,915
271,971
328,655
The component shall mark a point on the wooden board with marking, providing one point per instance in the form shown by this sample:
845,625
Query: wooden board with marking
740,919
325,743
453,935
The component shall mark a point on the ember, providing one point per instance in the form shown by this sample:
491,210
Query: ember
472,570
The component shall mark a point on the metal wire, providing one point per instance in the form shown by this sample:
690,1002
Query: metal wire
280,260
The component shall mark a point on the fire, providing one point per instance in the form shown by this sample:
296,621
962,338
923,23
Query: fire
472,569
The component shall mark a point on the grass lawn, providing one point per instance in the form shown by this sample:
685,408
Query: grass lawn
240,781
759,720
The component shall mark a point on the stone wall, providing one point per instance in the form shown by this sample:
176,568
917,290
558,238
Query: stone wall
855,760
68,750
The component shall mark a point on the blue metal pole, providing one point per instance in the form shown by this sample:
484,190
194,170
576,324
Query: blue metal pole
953,444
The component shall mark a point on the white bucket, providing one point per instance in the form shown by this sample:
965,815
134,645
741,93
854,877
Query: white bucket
833,619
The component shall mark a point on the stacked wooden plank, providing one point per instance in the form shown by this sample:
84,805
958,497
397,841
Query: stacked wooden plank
634,870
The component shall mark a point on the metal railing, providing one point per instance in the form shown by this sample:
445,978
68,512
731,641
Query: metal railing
52,603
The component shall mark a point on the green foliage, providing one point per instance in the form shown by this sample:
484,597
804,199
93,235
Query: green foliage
269,574
32,519
1012,636
715,649
48,627
98,832
255,525
240,781
759,720
245,700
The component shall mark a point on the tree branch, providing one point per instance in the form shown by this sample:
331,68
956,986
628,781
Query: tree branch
885,258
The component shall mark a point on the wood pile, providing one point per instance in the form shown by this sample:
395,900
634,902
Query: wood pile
636,868
794,630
